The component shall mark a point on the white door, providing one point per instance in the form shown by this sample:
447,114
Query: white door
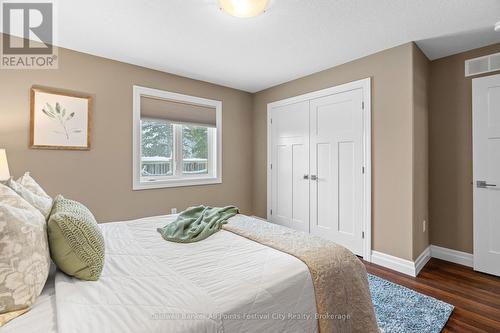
486,159
337,169
290,165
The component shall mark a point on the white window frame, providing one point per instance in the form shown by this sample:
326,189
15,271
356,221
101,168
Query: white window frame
177,180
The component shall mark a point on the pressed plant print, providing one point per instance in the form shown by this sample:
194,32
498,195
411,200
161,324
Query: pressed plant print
62,117
60,120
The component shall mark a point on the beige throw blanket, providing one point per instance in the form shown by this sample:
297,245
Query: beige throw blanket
340,281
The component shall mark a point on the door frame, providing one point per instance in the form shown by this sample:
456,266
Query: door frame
365,85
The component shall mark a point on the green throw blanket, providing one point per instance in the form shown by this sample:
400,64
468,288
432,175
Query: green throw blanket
197,223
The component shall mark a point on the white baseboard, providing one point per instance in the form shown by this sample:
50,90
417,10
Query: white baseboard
458,257
411,268
422,259
404,266
400,265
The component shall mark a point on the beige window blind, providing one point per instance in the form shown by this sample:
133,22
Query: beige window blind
177,112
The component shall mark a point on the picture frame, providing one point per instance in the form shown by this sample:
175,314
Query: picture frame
59,119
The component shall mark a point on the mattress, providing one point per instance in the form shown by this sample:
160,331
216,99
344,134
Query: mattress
225,283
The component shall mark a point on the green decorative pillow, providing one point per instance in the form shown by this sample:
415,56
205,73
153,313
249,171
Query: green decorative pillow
76,242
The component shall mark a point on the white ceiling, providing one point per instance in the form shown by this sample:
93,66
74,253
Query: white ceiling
292,39
435,48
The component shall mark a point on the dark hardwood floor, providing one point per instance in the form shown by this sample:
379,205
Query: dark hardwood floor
476,296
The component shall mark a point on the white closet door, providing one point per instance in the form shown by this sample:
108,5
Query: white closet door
290,166
486,157
337,162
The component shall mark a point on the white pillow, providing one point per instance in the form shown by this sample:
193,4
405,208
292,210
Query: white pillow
27,181
32,193
24,254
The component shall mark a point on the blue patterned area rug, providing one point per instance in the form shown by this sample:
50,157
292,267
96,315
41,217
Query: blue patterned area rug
402,310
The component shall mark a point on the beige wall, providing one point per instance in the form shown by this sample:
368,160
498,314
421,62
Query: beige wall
450,135
102,178
392,152
421,76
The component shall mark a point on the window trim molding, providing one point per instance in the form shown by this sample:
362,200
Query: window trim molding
137,184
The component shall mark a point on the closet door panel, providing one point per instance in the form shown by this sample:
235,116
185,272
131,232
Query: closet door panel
337,159
346,187
290,163
324,167
300,186
283,186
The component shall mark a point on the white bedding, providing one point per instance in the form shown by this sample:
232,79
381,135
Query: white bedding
151,285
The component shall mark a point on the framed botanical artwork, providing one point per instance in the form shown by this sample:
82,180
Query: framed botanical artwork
60,120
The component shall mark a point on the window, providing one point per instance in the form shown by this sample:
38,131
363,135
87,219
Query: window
157,138
162,156
195,149
177,140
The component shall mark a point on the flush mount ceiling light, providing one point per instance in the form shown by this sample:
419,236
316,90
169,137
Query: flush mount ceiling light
497,26
243,8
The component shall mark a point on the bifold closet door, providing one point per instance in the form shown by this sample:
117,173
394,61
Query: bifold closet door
336,143
290,166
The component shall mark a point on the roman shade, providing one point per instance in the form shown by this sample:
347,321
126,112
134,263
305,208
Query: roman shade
177,112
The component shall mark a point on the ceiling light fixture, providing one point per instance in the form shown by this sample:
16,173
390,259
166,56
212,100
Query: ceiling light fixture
497,26
243,8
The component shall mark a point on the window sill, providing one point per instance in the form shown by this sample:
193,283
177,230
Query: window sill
148,185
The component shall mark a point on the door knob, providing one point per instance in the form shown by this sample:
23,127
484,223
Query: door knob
483,184
314,177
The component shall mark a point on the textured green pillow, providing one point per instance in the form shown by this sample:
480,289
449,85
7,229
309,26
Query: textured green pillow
75,239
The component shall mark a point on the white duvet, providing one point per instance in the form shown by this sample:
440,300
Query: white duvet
225,283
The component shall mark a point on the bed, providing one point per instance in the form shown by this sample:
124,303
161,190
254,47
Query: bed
225,283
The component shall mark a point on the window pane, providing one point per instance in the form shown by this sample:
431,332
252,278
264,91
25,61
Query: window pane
156,146
194,149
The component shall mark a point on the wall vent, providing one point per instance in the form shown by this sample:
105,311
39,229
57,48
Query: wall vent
481,65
